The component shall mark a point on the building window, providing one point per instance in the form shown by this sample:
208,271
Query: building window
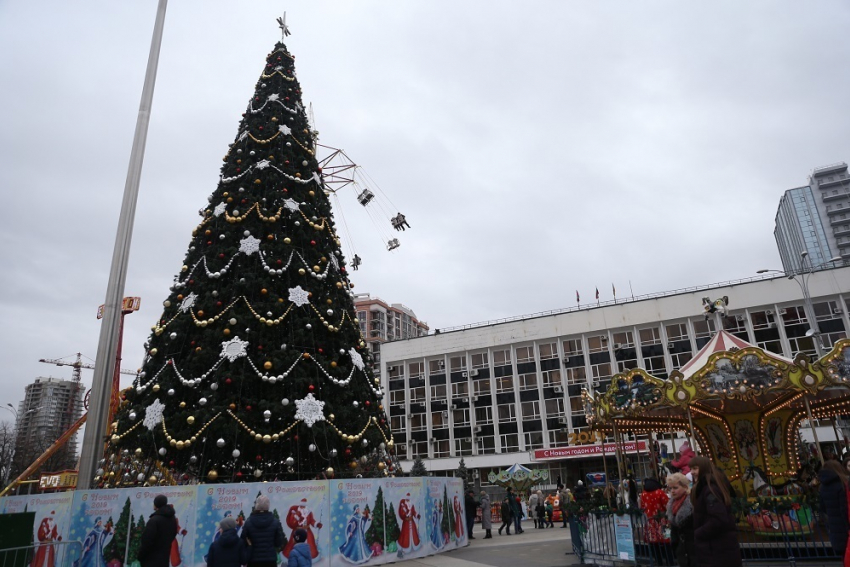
597,343
505,384
794,315
601,371
533,440
509,443
650,336
530,410
439,419
555,408
460,417
419,449
655,365
458,363
484,415
396,397
576,375
480,360
624,339
463,447
486,445
417,395
559,437
507,412
680,358
572,347
762,320
416,370
442,449
460,390
703,328
398,423
524,354
677,332
438,392
528,381
551,378
576,406
417,422
501,357
735,323
827,310
437,366
395,370
481,387
548,350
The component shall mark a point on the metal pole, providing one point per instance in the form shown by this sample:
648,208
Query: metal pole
605,468
814,429
694,443
619,455
106,347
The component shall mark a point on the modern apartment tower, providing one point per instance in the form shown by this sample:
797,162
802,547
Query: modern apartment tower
815,219
381,322
49,408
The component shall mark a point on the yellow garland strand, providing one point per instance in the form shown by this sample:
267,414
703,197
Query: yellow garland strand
266,141
269,76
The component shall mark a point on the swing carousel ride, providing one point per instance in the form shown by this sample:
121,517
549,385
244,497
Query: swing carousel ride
743,406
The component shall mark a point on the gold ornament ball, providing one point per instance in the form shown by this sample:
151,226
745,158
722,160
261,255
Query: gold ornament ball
353,464
331,417
267,438
287,240
390,444
226,332
154,351
377,380
330,302
263,291
339,285
182,405
312,193
152,480
330,472
185,268
190,420
115,439
333,364
212,475
381,465
267,365
317,269
173,442
138,451
180,445
302,271
155,388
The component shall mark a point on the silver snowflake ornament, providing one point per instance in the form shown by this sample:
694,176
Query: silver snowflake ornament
233,349
334,262
291,205
219,209
249,245
356,359
153,414
284,129
262,164
273,97
188,302
298,296
310,410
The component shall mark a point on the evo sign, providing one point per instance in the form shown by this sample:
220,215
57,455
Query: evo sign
586,451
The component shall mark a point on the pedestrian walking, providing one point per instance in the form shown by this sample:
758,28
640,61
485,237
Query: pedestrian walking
507,519
680,514
565,497
300,556
833,503
532,507
539,510
226,550
471,507
160,531
263,535
550,513
715,535
516,510
486,515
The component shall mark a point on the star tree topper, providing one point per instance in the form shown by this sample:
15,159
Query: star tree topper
310,410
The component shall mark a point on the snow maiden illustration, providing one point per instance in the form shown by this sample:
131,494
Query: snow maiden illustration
355,550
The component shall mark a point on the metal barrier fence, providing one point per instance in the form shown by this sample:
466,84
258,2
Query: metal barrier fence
40,554
777,537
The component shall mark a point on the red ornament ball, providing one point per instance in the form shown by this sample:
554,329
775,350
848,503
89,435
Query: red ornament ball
248,408
368,403
321,351
313,242
311,387
239,474
259,458
228,381
170,463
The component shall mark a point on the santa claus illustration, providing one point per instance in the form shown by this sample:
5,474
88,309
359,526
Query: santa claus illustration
45,556
459,519
174,557
409,539
299,516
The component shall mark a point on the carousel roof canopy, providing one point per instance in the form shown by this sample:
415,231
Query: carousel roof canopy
720,342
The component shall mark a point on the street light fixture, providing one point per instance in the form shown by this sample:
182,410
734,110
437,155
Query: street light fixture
813,332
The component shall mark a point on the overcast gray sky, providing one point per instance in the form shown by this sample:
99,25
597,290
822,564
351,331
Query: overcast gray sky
536,148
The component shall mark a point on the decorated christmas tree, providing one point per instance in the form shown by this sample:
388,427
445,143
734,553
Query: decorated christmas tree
375,533
448,523
136,540
393,532
256,368
114,550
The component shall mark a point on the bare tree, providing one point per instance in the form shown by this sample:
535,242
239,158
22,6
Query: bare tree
7,451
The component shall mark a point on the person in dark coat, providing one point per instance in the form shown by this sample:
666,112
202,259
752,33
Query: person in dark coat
486,516
160,531
715,534
833,503
300,556
263,535
581,493
516,510
507,518
680,514
471,506
226,550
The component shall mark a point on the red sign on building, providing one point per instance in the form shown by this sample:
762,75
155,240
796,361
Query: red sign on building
586,451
